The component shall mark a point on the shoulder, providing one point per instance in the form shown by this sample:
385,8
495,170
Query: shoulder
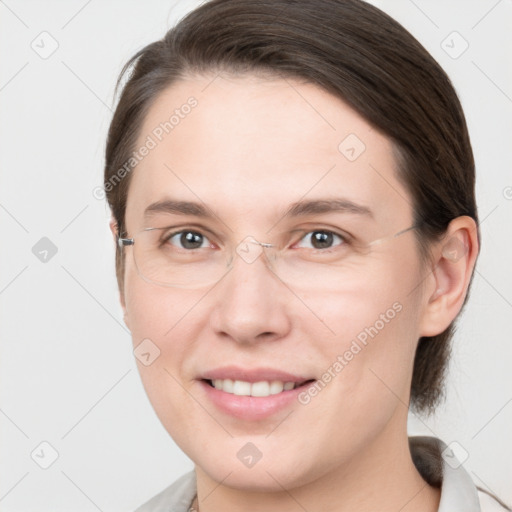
175,498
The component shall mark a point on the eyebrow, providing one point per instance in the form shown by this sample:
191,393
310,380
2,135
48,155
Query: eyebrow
179,207
298,209
319,206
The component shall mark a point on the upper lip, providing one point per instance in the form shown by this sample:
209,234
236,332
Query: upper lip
252,374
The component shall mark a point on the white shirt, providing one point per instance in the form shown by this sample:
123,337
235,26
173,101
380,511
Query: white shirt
458,491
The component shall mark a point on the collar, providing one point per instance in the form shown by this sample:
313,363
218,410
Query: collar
438,465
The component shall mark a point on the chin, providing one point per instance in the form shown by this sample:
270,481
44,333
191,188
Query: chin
268,474
259,480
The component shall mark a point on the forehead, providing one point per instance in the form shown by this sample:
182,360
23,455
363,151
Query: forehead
249,147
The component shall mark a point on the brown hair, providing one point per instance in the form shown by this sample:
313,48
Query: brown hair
352,50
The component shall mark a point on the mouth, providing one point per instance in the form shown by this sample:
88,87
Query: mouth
252,394
263,388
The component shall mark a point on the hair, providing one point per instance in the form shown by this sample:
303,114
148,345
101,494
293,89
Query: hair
355,52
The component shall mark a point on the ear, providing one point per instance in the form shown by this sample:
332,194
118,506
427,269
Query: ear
114,230
447,285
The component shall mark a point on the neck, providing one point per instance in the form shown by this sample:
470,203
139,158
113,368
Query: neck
382,478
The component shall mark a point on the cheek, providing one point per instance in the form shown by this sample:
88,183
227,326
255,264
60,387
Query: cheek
366,305
156,311
164,324
366,369
369,332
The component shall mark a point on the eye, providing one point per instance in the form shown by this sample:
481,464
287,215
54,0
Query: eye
322,239
187,239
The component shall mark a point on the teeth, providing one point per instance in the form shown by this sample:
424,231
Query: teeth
276,387
261,389
227,386
241,388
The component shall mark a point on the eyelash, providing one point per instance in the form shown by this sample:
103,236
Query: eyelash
344,238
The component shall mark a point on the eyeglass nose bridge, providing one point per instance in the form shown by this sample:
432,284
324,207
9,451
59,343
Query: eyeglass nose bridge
250,249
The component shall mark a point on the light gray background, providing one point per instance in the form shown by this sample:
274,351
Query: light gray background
68,373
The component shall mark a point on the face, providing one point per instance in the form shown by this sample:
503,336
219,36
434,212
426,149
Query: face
248,150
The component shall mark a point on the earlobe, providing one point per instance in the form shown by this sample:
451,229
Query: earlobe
454,260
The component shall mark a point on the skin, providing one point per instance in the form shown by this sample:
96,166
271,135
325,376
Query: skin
249,149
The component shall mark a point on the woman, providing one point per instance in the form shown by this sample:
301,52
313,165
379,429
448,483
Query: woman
292,192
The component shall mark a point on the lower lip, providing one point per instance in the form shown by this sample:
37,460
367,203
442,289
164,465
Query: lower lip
251,408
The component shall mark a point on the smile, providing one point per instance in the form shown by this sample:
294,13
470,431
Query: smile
258,389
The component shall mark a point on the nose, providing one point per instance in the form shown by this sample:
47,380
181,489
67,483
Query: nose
250,301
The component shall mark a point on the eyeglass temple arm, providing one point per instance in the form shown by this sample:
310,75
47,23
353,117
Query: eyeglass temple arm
122,242
396,235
